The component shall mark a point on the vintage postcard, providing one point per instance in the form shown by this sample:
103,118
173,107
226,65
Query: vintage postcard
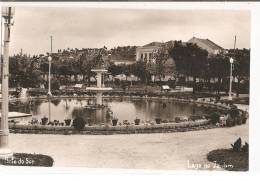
125,88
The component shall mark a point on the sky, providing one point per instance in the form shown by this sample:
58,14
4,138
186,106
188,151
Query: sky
95,27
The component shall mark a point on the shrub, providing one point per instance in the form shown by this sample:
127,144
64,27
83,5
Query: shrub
214,117
237,145
44,120
56,122
158,120
137,121
244,118
234,112
67,122
125,122
114,122
177,119
245,148
79,123
238,121
194,117
230,122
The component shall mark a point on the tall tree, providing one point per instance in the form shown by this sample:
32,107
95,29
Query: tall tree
190,60
219,67
160,56
241,66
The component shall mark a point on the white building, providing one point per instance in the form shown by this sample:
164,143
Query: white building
145,53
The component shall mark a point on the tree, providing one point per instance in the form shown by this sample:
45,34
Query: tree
219,67
190,60
241,66
140,70
160,56
115,69
91,59
24,71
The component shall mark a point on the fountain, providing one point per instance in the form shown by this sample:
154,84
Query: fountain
100,88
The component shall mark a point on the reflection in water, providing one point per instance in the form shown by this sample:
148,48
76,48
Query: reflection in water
122,108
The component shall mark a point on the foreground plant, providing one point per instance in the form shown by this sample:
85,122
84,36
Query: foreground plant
233,159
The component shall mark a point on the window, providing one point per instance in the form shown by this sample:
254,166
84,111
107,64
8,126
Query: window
145,56
150,56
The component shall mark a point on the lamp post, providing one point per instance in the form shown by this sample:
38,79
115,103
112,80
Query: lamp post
231,60
49,60
5,152
49,82
49,77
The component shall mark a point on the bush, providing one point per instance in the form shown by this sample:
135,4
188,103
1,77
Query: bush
238,121
230,122
165,121
243,118
44,120
137,121
234,112
126,122
194,117
67,122
214,117
158,120
245,148
55,84
79,123
114,122
237,145
177,119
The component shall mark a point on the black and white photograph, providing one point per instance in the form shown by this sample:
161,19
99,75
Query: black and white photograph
125,88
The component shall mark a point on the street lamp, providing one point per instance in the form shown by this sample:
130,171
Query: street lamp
5,152
49,77
231,60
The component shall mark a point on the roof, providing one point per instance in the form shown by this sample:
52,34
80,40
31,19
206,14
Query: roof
207,42
153,44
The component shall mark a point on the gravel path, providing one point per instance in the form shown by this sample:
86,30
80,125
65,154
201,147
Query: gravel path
136,151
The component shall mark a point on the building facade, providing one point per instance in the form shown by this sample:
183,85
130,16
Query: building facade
145,53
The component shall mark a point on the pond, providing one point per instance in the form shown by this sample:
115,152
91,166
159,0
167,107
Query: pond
122,109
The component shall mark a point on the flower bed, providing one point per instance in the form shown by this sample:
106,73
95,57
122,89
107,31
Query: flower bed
107,129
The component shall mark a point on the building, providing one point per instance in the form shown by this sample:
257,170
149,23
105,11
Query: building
145,53
206,44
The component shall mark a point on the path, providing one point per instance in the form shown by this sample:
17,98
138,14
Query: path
136,151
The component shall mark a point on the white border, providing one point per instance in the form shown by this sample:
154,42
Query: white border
119,174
